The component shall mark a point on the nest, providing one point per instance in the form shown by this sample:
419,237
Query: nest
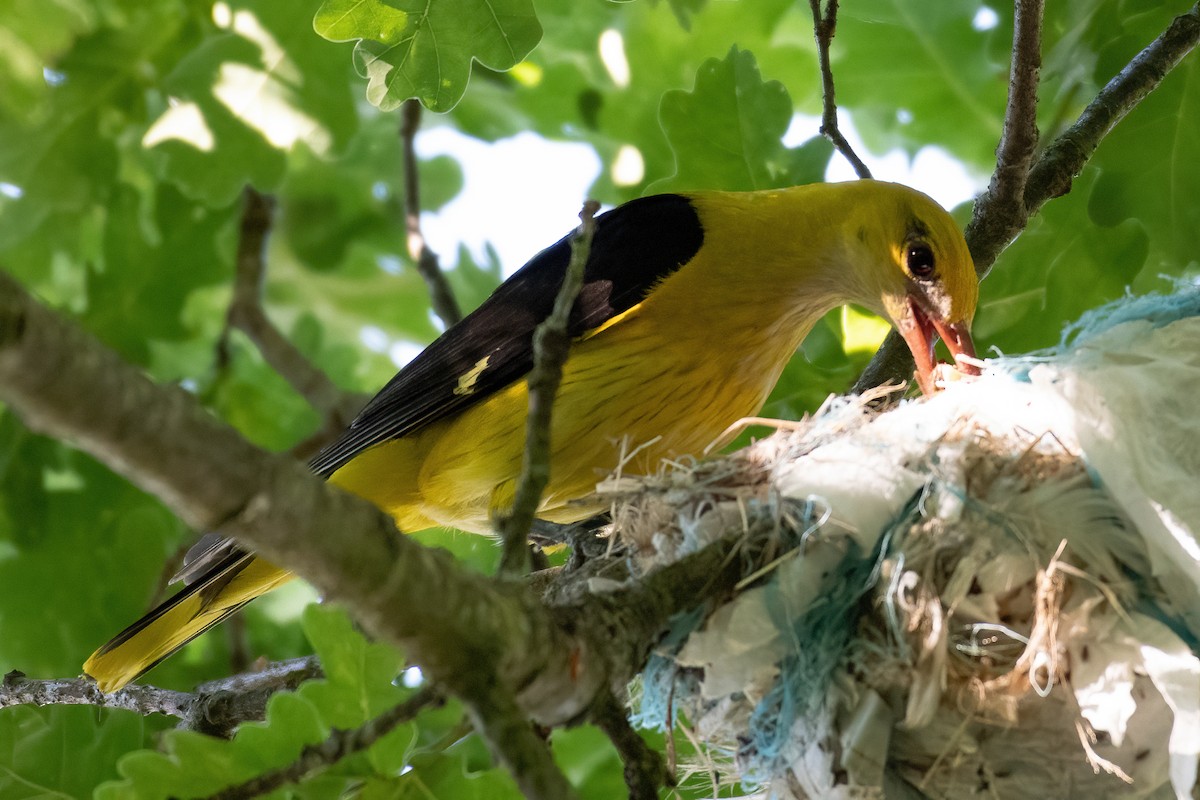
963,596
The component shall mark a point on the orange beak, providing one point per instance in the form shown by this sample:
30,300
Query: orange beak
922,330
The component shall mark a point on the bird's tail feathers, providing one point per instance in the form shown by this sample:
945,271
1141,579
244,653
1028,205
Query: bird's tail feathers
232,582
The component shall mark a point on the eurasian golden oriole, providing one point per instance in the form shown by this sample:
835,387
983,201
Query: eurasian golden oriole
691,306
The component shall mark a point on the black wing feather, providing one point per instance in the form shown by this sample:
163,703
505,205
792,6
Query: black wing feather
635,246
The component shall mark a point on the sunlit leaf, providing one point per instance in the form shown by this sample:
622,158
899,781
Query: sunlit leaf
424,50
727,133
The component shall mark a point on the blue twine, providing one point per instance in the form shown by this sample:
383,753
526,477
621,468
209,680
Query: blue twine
1157,309
662,679
822,634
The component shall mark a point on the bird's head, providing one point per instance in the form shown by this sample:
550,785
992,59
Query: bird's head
918,273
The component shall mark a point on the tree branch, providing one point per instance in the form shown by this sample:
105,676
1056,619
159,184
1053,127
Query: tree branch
515,744
441,297
1057,167
824,28
18,690
247,315
216,707
1002,207
551,345
224,704
339,745
645,769
994,226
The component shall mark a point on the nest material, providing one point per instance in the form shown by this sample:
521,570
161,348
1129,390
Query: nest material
951,605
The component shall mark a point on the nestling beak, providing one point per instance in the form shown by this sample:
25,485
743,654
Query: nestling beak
921,330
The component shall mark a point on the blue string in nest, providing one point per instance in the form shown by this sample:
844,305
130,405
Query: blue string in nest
1157,309
821,635
661,674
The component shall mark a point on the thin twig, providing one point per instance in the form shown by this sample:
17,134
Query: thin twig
216,707
551,344
247,315
339,745
645,769
441,297
824,29
222,705
18,690
1002,207
1058,165
1054,170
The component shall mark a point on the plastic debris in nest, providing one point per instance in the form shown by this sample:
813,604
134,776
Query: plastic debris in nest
994,591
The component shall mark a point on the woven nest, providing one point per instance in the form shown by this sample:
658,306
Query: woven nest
959,597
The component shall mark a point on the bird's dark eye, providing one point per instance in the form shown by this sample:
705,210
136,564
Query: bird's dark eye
918,257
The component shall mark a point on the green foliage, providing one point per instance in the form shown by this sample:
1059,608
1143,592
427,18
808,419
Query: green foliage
939,68
424,50
727,132
55,505
64,751
128,129
357,687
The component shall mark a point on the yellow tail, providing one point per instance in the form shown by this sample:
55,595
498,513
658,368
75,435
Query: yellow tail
220,591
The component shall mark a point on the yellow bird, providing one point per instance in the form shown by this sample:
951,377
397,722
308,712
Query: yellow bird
691,306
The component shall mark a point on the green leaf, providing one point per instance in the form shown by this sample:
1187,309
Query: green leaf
473,283
1061,266
424,50
244,98
915,73
35,743
463,771
565,88
329,204
57,503
358,686
1150,164
686,9
346,20
359,673
34,33
258,402
157,251
589,760
727,132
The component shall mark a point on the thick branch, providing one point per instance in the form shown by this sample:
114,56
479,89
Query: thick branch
470,632
551,345
441,297
222,705
824,28
246,314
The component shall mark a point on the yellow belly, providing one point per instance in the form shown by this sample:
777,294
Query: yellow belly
630,403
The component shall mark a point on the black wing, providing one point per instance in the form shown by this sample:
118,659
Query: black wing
635,246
